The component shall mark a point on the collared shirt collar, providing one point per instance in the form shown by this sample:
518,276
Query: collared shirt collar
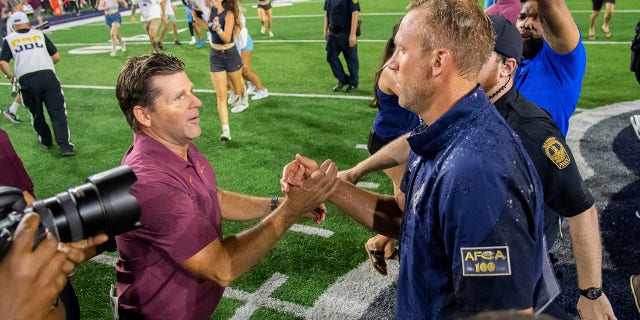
427,140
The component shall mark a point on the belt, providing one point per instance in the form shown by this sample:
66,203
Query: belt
334,28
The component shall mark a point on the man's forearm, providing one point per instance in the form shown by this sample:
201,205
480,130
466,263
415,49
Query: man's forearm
587,248
392,154
354,22
376,212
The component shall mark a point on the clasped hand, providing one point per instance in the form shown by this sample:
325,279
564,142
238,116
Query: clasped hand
308,185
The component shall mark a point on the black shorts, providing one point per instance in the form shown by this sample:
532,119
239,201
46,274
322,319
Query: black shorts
264,6
225,60
375,143
597,4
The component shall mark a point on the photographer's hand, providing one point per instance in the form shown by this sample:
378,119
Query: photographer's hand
31,280
83,250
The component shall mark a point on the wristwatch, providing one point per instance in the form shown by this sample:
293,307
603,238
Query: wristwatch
592,293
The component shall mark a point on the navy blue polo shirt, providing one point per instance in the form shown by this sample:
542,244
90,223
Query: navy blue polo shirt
339,11
471,237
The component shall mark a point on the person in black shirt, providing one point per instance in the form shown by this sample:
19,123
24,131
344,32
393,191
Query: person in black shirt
340,25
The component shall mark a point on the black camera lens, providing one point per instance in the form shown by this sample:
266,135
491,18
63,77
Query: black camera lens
102,205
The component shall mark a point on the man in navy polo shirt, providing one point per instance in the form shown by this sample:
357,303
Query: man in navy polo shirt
471,236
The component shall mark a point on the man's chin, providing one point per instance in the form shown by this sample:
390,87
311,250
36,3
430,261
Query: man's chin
531,47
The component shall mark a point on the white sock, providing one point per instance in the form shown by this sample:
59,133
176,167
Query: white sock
14,107
225,129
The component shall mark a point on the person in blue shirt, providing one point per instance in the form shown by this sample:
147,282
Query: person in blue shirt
555,60
471,236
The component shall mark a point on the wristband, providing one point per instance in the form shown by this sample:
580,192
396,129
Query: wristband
274,202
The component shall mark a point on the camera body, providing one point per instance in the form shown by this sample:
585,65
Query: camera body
101,205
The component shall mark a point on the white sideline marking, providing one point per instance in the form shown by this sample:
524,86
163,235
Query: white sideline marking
353,293
361,146
275,94
367,185
105,259
262,298
580,123
311,230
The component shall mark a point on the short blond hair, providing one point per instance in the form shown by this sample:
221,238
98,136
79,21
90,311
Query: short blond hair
462,27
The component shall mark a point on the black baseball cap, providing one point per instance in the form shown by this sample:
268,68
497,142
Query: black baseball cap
508,39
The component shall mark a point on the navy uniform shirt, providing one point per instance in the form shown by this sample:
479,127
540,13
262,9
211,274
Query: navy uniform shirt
471,237
564,190
339,12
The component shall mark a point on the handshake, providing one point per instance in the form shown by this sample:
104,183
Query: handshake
309,185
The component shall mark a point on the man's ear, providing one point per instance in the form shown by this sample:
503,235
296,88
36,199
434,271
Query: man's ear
508,67
142,116
439,61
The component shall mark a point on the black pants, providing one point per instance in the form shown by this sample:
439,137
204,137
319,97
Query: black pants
338,42
43,87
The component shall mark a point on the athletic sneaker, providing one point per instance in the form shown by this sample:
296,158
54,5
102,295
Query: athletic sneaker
261,94
251,88
200,44
193,40
240,107
12,117
113,52
178,43
225,137
270,34
635,123
68,153
123,46
233,98
262,29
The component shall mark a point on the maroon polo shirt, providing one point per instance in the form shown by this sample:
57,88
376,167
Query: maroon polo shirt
180,216
12,171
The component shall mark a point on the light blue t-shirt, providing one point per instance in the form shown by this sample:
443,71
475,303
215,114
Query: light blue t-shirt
553,81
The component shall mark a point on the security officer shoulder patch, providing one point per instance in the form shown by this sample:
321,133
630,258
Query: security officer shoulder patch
485,261
555,151
355,1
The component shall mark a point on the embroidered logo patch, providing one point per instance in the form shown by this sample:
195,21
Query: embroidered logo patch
485,261
555,151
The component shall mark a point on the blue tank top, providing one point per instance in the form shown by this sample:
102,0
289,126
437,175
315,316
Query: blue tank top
215,39
392,120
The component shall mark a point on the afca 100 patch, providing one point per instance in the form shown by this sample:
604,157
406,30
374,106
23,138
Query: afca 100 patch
485,261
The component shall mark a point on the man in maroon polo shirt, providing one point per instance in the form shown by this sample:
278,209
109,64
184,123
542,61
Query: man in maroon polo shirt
176,265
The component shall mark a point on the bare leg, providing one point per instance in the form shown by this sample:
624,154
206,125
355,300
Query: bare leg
268,16
592,23
175,32
219,80
247,73
262,16
608,12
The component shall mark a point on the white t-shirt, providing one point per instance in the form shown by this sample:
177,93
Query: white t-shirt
150,9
